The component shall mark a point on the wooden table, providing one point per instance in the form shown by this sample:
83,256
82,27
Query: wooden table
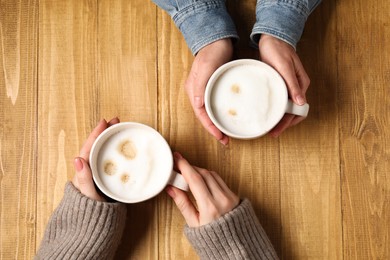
321,190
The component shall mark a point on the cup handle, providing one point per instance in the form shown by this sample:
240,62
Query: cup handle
178,181
296,109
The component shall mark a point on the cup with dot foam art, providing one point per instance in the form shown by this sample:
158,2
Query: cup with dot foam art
131,162
246,98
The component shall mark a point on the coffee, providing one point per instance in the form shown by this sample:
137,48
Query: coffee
247,98
131,163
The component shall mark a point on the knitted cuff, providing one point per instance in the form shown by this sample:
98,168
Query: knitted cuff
83,228
236,235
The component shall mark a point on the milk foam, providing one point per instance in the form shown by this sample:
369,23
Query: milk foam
247,100
137,177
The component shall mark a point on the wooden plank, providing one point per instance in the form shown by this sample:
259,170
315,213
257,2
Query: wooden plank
18,103
182,130
364,61
244,165
309,152
127,61
253,166
179,126
98,59
127,87
254,173
66,95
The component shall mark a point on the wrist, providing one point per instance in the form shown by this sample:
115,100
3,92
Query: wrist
267,39
223,45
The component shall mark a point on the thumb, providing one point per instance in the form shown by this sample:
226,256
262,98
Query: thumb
198,94
199,76
198,88
293,86
83,179
185,205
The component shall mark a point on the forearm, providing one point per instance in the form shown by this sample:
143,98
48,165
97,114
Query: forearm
201,22
236,235
83,228
283,19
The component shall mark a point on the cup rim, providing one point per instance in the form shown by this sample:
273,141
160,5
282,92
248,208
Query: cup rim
214,77
101,139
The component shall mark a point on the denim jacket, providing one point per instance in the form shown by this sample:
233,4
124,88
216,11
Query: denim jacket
204,21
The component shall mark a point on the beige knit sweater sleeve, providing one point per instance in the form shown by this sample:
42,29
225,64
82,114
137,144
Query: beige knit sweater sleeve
236,235
82,228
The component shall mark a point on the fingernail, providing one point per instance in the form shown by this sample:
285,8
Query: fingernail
113,120
224,140
177,155
102,120
170,191
78,164
198,102
301,100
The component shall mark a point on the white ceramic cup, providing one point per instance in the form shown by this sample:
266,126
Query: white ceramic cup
132,162
246,98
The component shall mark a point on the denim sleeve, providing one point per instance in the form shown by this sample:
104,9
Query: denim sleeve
200,21
283,19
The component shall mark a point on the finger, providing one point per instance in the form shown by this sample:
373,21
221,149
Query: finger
282,125
302,77
184,204
297,120
113,121
84,181
85,150
233,199
205,120
289,75
195,181
201,71
222,184
195,88
221,202
213,186
198,80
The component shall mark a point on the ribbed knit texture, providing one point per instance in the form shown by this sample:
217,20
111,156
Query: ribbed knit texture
82,228
236,235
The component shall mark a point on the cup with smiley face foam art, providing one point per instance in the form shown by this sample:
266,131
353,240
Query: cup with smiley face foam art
246,98
132,162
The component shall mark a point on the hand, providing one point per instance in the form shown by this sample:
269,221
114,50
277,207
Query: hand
206,62
83,178
283,58
212,196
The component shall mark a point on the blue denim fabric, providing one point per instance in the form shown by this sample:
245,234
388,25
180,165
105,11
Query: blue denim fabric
205,21
283,19
200,21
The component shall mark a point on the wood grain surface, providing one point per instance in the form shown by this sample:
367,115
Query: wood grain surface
18,128
364,128
321,190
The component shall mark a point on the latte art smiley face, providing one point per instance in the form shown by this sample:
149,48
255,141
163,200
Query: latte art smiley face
247,100
132,163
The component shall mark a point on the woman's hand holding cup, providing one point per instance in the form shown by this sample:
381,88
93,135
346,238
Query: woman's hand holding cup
83,180
213,197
